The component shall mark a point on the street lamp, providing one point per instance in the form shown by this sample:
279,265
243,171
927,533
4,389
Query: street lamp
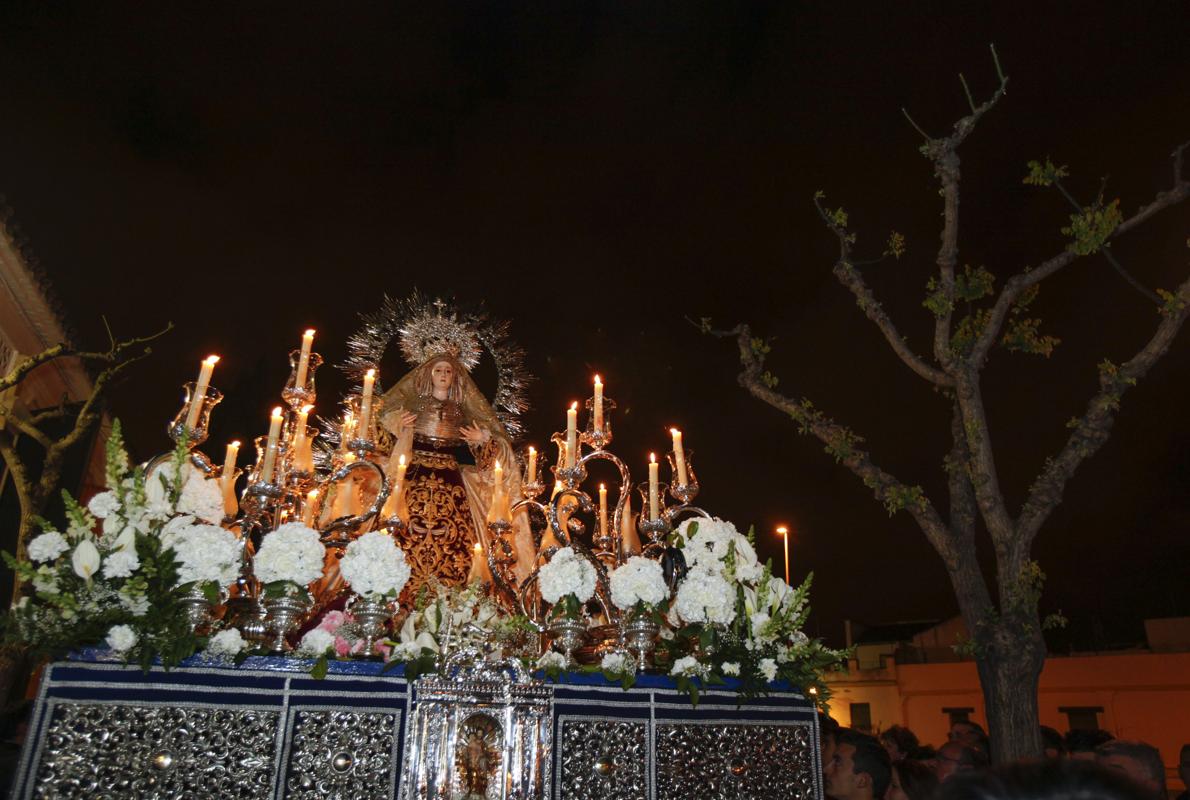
784,532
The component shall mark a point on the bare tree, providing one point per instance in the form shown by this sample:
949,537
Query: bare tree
1001,615
37,483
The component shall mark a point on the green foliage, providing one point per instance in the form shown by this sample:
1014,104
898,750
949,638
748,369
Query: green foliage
1054,621
1044,174
968,330
1173,303
843,445
936,299
895,246
1092,227
321,665
900,498
769,379
973,284
1022,336
838,217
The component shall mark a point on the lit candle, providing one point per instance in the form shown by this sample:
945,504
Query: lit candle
629,540
598,410
365,406
303,453
603,531
308,511
347,431
557,490
679,456
532,478
229,464
304,360
345,500
200,390
654,498
394,505
270,453
496,513
479,566
571,434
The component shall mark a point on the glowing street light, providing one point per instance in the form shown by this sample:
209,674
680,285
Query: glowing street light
784,533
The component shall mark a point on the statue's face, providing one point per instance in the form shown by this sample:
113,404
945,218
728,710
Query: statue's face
442,375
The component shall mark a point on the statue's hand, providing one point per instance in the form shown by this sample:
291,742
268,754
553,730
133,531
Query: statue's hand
407,418
473,434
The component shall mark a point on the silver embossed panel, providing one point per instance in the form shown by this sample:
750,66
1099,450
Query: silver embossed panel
342,754
603,759
125,751
714,761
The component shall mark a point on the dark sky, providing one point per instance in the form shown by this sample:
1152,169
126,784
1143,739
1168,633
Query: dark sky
596,171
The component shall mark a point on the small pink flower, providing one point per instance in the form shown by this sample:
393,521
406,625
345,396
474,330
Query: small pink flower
342,646
332,620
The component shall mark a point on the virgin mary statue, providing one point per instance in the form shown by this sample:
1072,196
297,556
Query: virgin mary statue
451,439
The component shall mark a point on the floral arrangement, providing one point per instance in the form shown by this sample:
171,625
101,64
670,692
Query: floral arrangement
567,582
638,585
113,576
374,566
208,556
289,559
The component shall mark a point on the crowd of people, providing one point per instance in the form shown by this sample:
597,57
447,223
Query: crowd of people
1082,765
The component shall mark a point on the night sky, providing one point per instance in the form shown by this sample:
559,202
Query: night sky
598,171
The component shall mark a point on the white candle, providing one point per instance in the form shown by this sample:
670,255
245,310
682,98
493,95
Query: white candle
598,410
629,540
479,566
270,452
308,511
496,513
393,506
365,406
654,499
227,476
603,531
304,360
571,434
347,431
532,465
200,390
303,454
679,456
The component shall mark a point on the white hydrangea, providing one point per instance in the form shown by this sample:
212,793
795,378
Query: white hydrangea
710,544
121,638
405,651
767,668
637,580
687,667
120,564
293,552
316,642
617,663
551,660
201,496
204,553
227,642
47,547
374,565
731,668
104,505
567,573
705,596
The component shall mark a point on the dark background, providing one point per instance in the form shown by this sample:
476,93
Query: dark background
597,171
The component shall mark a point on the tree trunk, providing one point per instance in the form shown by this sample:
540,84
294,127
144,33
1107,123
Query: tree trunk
1009,670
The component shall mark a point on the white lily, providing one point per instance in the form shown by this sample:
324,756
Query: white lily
85,559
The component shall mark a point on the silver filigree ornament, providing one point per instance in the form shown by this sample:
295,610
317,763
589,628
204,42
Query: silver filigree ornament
425,328
604,759
345,754
721,761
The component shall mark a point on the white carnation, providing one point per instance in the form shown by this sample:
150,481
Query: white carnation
731,668
567,573
227,642
705,596
767,668
47,547
120,564
687,667
201,496
711,542
405,651
374,565
293,552
638,580
121,638
551,660
204,553
617,663
316,642
104,504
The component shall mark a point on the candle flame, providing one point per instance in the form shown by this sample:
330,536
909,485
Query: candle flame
783,530
236,444
312,495
574,406
371,373
597,381
310,333
653,458
401,460
212,360
532,450
477,548
497,463
602,487
277,411
675,431
306,409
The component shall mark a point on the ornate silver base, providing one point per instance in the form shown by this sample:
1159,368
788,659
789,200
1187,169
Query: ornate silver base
640,637
284,616
568,636
371,614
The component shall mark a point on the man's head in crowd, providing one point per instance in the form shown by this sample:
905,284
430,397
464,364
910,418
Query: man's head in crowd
954,758
1081,744
969,734
859,768
912,780
1052,741
1042,780
1138,761
899,741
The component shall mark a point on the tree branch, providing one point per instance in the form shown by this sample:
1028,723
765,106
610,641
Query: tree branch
30,363
29,430
1020,282
1093,428
851,278
840,442
985,479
